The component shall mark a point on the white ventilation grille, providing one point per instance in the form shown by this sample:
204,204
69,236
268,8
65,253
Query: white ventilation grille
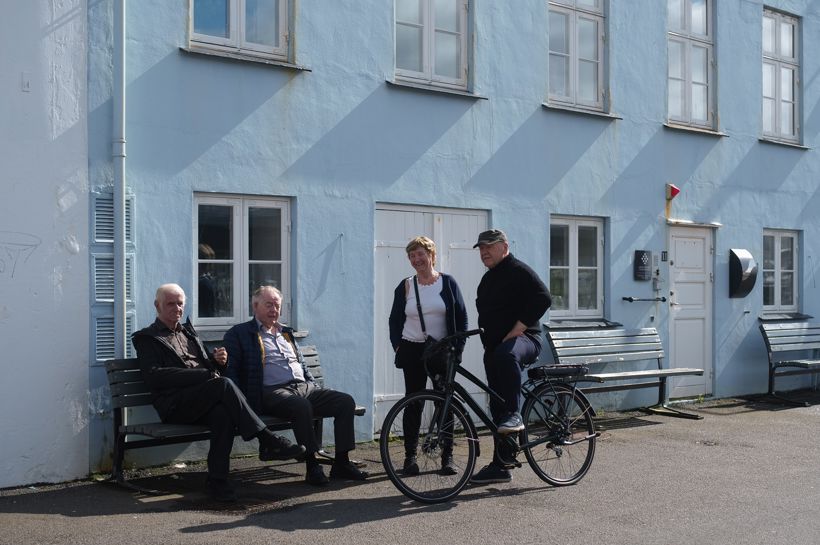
104,217
104,337
104,277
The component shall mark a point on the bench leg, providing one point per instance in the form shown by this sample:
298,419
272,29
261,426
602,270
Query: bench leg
662,407
323,456
779,398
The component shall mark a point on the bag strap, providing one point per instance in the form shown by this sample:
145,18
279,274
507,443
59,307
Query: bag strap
418,305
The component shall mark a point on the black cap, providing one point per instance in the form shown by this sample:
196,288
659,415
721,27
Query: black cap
490,237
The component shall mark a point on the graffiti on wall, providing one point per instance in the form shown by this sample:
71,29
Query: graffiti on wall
15,250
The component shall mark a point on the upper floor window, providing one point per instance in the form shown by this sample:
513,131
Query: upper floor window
690,71
241,243
431,42
780,271
576,53
249,27
781,77
576,267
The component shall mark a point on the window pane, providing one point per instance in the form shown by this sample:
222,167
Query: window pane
768,115
264,233
216,231
559,289
787,288
699,20
675,60
589,4
786,40
263,274
787,119
787,253
700,65
215,291
559,32
262,22
559,75
587,289
674,14
587,39
675,99
447,55
768,35
408,11
768,288
786,84
587,246
408,48
447,15
588,81
768,252
768,80
212,17
559,245
699,102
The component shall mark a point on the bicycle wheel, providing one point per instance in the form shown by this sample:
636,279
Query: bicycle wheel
559,420
432,443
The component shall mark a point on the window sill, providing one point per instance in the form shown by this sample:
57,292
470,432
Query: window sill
580,111
696,130
772,141
241,57
784,317
433,89
580,323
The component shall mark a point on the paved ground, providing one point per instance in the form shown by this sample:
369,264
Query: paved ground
747,473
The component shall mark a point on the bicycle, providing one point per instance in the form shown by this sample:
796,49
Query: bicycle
558,439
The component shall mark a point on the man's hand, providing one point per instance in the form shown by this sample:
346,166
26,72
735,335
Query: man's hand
220,356
518,329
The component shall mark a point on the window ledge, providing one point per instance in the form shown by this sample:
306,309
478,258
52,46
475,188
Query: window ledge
581,111
433,89
784,317
696,130
772,141
242,57
580,323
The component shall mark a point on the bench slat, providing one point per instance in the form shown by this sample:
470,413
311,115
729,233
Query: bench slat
588,359
649,373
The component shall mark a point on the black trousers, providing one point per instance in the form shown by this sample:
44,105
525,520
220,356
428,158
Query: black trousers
219,404
301,402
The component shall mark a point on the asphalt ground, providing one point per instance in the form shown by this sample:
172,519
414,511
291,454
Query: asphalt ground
747,473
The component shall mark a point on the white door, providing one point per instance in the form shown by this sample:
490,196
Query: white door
690,308
454,231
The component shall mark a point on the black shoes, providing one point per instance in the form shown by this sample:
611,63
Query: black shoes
220,490
346,470
492,473
279,448
411,466
315,475
448,467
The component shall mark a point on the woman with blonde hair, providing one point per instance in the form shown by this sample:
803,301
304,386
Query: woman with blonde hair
426,304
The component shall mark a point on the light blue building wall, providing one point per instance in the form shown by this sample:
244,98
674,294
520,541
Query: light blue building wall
337,139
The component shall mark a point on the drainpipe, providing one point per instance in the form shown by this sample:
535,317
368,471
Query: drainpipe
118,159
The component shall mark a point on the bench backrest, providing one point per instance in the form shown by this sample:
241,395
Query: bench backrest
784,337
590,346
128,389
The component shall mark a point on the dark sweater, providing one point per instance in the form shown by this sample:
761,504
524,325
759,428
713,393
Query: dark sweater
510,292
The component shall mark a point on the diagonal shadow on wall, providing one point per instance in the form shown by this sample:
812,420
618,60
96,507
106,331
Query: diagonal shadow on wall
534,159
380,138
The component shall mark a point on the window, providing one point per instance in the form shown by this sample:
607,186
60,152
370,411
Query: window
431,42
781,77
576,267
690,71
576,56
241,243
779,271
248,27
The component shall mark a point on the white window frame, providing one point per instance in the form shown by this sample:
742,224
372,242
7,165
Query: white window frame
575,12
573,223
690,40
236,42
428,75
778,270
779,62
242,310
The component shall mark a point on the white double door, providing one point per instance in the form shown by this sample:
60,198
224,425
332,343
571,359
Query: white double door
454,231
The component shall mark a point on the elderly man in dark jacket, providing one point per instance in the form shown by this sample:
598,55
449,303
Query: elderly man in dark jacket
187,388
266,363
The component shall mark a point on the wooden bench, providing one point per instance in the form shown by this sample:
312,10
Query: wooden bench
128,390
601,347
784,344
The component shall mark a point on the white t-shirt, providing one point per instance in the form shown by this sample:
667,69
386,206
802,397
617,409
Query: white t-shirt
432,305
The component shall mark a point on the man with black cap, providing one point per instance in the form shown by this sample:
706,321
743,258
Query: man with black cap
511,299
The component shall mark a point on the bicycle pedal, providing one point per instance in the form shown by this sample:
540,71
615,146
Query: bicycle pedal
510,464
